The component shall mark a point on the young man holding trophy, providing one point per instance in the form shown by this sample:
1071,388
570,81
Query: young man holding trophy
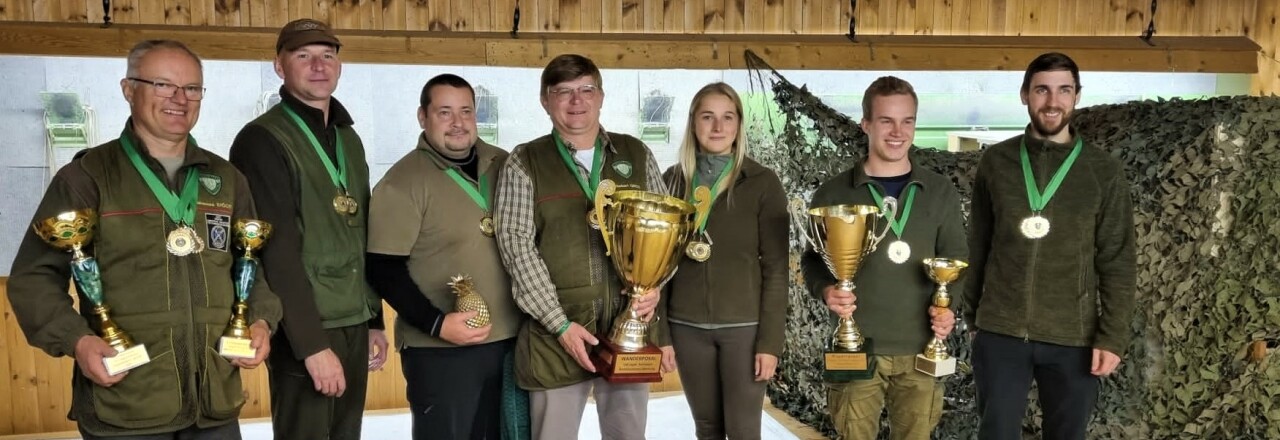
149,219
430,244
306,165
562,277
894,303
1054,276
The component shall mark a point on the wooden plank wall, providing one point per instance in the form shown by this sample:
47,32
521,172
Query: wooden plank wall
918,17
1266,32
35,392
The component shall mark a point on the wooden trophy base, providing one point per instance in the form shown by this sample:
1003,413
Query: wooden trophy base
128,359
615,365
236,348
846,366
935,367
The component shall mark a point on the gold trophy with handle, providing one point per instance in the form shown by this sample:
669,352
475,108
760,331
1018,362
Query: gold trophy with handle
235,342
71,231
935,361
644,234
843,235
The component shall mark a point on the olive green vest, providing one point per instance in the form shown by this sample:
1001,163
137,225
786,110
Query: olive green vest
333,244
176,306
585,280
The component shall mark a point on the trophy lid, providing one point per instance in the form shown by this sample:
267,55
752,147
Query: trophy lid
68,230
251,234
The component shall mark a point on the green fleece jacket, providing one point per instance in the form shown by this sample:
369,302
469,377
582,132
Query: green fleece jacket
1073,287
893,299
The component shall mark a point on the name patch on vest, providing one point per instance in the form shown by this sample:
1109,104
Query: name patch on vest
219,230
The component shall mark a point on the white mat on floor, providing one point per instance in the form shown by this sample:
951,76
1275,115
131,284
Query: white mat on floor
669,419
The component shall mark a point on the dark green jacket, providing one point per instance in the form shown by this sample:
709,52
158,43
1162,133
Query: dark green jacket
333,244
745,280
586,283
176,306
893,299
1073,287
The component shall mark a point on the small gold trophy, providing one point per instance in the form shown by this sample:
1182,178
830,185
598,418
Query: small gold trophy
468,300
843,235
645,234
71,231
935,361
236,340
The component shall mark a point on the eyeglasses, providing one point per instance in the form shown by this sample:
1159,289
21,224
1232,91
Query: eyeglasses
585,91
166,90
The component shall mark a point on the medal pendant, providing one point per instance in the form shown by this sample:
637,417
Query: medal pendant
1035,227
698,251
899,251
340,203
486,226
352,205
183,241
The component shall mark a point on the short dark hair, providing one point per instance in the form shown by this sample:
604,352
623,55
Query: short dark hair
1050,62
886,86
568,67
445,79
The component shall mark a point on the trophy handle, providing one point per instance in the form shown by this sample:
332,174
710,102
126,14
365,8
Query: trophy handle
603,191
800,218
890,212
702,205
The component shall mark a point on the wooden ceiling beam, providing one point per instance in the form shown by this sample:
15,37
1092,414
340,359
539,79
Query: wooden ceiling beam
644,51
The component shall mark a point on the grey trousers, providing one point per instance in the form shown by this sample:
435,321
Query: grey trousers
717,371
622,408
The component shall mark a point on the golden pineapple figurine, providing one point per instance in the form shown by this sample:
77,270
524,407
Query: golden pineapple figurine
469,300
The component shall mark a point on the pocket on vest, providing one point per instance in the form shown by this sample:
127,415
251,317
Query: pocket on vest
333,278
150,395
541,363
220,387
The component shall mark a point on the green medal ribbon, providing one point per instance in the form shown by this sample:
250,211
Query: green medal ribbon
597,163
715,191
181,210
337,174
899,224
480,196
1038,200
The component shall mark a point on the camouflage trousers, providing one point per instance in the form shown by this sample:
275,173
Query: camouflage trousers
914,401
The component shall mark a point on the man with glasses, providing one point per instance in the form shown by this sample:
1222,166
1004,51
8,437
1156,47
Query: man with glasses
561,276
164,208
307,167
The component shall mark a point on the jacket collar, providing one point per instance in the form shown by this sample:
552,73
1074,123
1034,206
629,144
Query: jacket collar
338,115
1036,145
485,155
860,177
193,155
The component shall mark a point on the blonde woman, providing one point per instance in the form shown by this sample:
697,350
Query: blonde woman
728,301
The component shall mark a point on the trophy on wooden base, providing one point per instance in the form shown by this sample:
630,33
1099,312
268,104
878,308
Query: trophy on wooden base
843,235
645,235
235,341
935,361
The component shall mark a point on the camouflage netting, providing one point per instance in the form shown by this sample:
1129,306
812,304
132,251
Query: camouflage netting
1206,191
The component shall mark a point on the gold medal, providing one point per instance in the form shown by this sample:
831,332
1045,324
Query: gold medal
340,203
698,251
184,241
486,226
1035,227
899,251
352,205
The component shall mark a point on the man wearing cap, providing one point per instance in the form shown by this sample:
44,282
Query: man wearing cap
306,166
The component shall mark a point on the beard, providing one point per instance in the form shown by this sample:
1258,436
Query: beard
1045,130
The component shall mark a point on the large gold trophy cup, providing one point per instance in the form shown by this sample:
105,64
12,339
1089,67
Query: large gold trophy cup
645,235
935,361
843,235
250,235
71,231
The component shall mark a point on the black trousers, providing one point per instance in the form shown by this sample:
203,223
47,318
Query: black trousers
230,431
298,411
455,392
1003,368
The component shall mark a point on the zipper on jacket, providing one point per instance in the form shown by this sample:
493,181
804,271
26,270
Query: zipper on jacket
1031,273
